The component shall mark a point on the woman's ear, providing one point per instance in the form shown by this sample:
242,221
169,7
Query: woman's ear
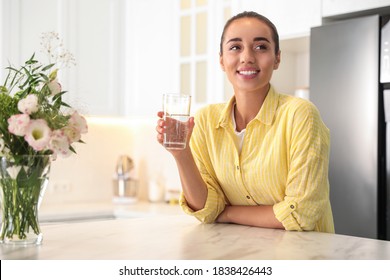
221,62
277,60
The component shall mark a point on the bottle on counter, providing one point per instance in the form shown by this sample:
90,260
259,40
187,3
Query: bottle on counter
156,191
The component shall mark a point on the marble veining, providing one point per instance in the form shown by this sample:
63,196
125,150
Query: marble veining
183,237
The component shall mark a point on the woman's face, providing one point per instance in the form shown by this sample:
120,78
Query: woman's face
248,56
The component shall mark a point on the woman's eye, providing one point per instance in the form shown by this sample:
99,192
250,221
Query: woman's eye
234,48
261,47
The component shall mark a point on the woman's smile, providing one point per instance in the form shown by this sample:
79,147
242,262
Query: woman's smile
248,73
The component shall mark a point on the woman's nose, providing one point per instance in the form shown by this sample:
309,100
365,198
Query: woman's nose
247,56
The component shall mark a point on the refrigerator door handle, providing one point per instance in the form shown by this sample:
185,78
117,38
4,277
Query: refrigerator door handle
386,104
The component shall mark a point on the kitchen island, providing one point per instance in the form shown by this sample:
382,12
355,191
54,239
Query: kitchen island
181,237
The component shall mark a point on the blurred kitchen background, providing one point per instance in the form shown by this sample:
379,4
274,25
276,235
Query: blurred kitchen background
130,52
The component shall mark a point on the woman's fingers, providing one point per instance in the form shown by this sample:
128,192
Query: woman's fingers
191,124
160,127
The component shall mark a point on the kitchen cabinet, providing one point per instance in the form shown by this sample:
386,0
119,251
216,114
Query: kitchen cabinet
332,8
92,29
151,53
89,30
292,18
123,49
128,52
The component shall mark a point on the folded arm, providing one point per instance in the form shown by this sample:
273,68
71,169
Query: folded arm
259,216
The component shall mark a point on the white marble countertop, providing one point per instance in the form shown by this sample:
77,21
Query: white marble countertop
183,237
73,212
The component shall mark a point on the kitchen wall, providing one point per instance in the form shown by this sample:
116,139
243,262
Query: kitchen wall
87,177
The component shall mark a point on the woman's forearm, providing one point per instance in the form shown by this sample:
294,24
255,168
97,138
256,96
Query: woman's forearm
194,188
259,216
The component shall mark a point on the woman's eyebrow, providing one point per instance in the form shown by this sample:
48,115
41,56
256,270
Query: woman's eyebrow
256,39
234,40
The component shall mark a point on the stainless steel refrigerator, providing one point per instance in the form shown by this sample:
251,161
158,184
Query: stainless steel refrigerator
346,86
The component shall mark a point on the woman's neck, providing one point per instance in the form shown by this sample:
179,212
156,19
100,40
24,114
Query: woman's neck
248,105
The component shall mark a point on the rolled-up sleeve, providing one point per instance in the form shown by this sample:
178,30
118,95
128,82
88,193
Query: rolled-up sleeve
214,205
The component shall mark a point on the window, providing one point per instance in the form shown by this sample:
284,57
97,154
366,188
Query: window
201,23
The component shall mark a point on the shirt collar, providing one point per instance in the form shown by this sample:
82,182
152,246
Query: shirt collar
265,115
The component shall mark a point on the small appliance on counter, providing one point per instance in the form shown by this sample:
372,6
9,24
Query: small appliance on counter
125,184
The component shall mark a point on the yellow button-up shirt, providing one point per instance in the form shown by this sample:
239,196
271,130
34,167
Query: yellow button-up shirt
284,162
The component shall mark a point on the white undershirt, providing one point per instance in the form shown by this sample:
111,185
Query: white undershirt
240,135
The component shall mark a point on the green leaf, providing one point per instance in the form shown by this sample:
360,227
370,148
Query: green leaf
46,78
31,60
13,69
65,105
3,90
72,149
36,68
48,67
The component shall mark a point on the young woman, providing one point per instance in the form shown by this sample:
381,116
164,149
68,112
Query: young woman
262,158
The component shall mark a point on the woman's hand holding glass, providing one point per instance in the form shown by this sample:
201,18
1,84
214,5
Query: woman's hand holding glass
164,125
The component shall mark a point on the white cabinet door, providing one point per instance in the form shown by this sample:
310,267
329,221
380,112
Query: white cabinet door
22,23
90,29
291,18
338,7
151,56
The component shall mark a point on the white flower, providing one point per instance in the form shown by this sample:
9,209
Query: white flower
17,124
13,171
53,46
5,151
55,87
29,104
72,133
38,134
78,122
59,144
2,145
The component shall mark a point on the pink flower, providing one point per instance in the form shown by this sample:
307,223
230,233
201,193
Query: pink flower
55,87
29,104
59,144
17,124
78,122
38,134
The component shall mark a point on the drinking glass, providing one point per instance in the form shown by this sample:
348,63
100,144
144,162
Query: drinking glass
176,109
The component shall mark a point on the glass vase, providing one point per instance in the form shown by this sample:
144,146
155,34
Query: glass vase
23,180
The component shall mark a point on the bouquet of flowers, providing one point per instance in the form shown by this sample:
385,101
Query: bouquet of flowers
36,126
32,117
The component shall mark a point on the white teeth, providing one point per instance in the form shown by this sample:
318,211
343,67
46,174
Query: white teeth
247,72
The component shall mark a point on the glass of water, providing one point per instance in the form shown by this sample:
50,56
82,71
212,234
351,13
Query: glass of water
176,109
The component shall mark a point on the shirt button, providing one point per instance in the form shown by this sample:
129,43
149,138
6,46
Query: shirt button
248,197
238,167
292,206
